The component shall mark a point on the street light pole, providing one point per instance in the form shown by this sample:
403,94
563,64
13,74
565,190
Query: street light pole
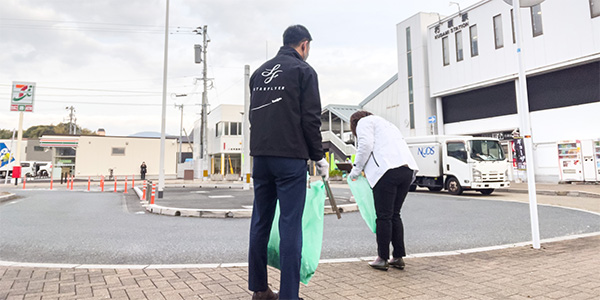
161,167
525,125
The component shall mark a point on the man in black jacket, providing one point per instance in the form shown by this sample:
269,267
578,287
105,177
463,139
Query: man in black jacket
285,110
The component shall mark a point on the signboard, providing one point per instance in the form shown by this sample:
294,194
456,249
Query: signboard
22,96
519,159
431,119
5,156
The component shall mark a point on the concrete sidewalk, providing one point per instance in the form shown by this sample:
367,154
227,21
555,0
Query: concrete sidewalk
564,269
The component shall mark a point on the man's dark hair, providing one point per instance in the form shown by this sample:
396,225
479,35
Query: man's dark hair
295,34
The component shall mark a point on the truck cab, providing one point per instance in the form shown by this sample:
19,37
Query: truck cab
458,163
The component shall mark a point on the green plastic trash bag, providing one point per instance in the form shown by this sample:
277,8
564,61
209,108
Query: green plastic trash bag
363,194
312,233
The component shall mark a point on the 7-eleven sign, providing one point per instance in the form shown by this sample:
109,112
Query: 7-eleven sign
22,96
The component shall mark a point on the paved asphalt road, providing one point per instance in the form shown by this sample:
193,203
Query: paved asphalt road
107,228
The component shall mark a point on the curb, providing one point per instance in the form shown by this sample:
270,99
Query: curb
554,193
321,261
224,213
219,213
6,198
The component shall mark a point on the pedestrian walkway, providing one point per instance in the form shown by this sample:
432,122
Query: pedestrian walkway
565,269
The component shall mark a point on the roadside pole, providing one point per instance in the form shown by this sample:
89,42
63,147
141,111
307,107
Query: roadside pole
246,130
10,155
525,125
22,97
161,167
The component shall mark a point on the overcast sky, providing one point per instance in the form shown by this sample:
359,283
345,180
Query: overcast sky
105,57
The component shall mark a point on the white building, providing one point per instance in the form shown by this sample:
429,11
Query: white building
224,142
462,69
94,156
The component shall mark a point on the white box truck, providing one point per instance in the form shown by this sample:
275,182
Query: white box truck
458,163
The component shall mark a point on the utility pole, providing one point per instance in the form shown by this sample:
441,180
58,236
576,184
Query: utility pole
203,130
72,119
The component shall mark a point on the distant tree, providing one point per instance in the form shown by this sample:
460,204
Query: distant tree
5,134
85,131
37,131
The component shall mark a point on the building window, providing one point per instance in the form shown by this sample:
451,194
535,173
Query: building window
473,37
536,20
38,149
118,151
409,63
459,45
408,44
465,17
499,41
236,128
445,51
512,23
225,128
450,23
228,128
411,104
595,8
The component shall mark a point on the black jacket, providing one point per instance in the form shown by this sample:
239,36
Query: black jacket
285,108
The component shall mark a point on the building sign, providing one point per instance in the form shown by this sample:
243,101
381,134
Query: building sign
59,141
22,96
451,29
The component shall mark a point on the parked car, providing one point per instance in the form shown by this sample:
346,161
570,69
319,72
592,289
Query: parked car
44,168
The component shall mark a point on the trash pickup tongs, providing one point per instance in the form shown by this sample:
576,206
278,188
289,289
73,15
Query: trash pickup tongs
331,199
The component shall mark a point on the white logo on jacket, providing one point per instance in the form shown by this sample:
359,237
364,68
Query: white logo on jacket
271,73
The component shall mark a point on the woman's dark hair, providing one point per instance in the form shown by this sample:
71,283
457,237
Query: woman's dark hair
295,35
356,117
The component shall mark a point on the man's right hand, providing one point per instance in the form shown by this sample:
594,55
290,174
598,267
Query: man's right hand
322,168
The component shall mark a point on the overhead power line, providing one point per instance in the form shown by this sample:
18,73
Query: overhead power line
91,26
91,90
38,101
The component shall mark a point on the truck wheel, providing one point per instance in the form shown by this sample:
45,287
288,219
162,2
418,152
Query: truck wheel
412,188
453,186
435,188
487,191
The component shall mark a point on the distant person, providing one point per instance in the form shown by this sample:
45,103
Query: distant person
390,168
143,170
285,119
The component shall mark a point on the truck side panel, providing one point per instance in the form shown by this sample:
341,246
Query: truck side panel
428,157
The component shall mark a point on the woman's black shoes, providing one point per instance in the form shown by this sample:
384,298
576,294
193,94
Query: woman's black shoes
397,263
380,264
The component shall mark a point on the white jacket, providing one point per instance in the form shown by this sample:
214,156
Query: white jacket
381,147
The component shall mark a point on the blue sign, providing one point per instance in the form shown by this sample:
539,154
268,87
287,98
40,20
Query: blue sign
431,119
5,155
426,151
